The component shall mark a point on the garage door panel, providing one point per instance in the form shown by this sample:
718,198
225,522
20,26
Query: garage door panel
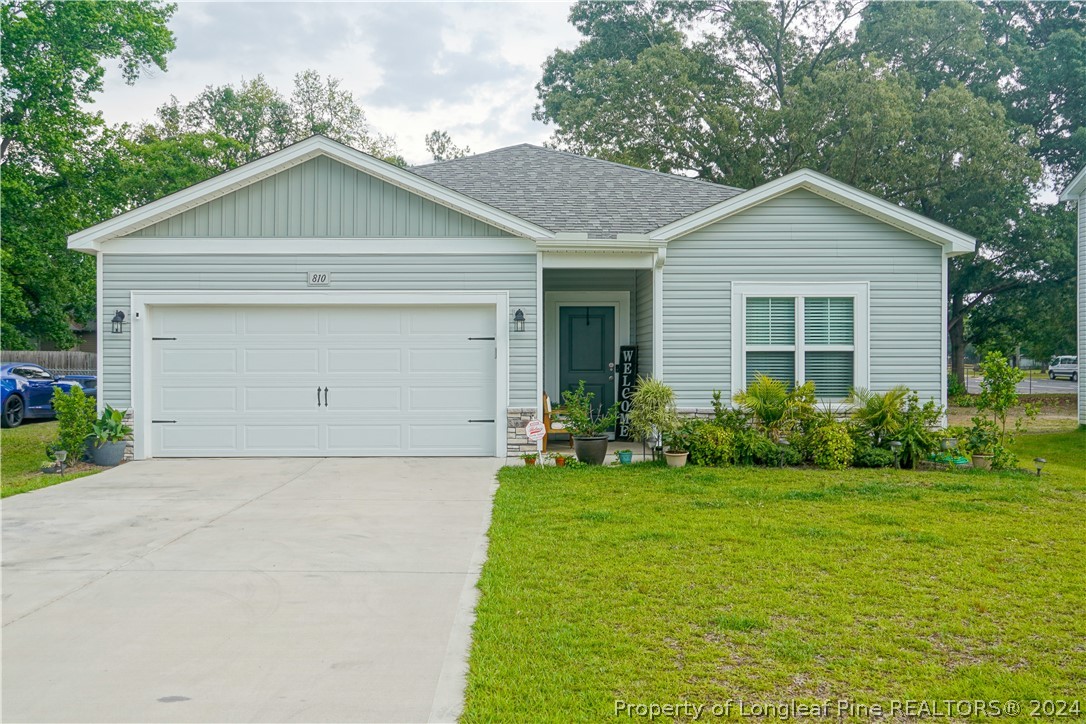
200,439
277,361
277,438
372,361
197,398
285,321
401,381
364,398
201,361
449,362
280,398
376,437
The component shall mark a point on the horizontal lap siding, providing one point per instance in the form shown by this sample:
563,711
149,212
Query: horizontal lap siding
802,237
319,198
1082,308
643,322
125,273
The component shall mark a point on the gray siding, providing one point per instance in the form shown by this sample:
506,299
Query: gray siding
801,237
320,198
643,322
124,273
1082,308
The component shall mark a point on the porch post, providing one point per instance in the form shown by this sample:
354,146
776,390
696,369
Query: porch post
658,314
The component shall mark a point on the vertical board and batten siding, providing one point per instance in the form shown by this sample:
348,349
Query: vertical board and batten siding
1082,308
125,273
320,198
642,321
802,237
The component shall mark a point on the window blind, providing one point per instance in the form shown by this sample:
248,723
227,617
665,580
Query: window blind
771,320
778,365
832,372
828,320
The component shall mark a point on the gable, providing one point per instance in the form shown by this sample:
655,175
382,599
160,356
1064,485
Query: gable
320,198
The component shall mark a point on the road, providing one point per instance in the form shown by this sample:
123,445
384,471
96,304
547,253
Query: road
1042,386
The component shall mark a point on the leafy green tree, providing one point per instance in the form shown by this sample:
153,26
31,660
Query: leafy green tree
440,146
52,149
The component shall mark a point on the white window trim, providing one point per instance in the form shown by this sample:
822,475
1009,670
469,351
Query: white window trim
143,304
860,292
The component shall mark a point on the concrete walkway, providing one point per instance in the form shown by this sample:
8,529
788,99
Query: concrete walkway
244,590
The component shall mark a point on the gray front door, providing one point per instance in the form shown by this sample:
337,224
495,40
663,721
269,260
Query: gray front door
586,343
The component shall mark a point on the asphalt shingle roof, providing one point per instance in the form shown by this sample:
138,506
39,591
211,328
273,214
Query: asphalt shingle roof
564,192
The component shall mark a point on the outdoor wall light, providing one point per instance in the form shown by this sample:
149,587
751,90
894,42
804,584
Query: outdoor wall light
518,321
118,322
1039,463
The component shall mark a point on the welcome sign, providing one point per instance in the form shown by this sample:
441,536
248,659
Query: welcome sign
627,381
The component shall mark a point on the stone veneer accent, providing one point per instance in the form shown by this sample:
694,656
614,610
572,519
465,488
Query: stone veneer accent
516,440
129,447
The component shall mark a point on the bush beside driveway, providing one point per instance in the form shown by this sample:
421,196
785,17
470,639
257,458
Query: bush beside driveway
649,585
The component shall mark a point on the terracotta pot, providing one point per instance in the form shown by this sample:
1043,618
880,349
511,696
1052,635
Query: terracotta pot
591,450
559,462
529,461
982,462
676,459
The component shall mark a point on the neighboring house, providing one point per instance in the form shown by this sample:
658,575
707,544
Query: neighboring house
1076,193
322,302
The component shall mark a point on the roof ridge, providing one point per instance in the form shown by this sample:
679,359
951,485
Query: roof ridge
624,166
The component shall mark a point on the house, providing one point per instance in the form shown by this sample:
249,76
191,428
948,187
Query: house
319,301
1076,194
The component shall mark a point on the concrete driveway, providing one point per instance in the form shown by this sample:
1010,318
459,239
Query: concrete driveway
244,590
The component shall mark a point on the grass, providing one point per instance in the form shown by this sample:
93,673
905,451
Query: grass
22,455
648,585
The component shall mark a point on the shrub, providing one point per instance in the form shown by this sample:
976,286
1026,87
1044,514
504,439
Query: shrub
879,415
652,410
712,445
954,388
582,418
776,409
753,447
918,435
832,447
873,457
76,415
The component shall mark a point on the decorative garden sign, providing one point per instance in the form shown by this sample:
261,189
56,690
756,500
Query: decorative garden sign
627,381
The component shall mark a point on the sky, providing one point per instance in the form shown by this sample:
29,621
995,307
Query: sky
468,68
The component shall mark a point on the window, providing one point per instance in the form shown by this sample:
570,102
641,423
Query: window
801,333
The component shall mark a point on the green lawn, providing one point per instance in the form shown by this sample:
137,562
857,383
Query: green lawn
650,585
22,454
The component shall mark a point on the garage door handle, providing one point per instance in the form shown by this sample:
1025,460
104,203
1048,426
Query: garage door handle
326,397
318,397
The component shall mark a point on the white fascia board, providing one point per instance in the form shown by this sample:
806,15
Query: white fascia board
575,243
952,240
224,183
1075,188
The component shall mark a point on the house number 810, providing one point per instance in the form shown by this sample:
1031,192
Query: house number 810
317,279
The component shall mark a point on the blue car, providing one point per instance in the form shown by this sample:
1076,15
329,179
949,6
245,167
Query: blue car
28,391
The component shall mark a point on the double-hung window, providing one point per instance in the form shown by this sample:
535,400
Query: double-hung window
796,333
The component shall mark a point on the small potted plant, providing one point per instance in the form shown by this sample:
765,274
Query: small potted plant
982,438
588,424
625,457
676,452
559,460
110,434
529,458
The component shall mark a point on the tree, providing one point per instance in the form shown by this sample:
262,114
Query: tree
52,149
261,120
439,144
925,105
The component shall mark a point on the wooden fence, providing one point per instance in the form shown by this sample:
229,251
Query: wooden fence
60,363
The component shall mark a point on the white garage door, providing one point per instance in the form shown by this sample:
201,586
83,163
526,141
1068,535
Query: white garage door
351,380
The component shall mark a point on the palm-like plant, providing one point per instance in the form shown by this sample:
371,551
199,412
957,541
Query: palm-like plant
881,415
776,409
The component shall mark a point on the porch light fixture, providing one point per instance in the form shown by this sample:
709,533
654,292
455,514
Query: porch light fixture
118,322
518,320
1039,463
895,445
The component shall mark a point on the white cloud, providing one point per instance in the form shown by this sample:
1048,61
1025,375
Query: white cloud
469,68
